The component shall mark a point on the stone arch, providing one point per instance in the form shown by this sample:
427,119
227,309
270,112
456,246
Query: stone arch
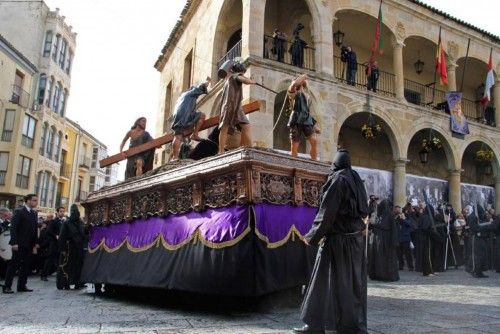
489,143
388,124
450,152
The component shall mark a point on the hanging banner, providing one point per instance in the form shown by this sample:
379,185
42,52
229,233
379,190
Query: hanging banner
458,122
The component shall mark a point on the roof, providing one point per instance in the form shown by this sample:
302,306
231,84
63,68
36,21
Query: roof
191,5
19,54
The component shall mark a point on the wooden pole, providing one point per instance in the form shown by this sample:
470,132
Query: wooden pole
465,66
165,139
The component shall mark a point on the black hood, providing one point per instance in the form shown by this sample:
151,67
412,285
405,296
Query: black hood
342,160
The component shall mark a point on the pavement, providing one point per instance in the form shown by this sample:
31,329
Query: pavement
452,302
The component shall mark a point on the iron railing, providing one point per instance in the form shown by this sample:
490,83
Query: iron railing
385,83
424,95
3,175
27,141
84,161
234,52
20,96
22,181
282,53
65,170
7,135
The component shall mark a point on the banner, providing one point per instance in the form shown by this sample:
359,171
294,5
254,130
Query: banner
458,122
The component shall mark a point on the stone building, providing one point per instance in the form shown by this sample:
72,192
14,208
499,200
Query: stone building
18,123
49,43
408,104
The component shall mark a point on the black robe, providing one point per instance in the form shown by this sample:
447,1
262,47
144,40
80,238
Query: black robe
297,52
71,242
477,245
382,250
336,296
496,248
438,245
423,261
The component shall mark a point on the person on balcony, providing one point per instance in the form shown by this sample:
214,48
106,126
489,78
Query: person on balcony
185,118
297,47
372,75
141,162
349,57
278,49
231,115
301,122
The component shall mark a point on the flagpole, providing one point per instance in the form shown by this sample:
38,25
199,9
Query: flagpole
465,66
435,67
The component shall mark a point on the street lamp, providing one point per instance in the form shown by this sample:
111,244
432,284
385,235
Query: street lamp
338,36
424,156
419,65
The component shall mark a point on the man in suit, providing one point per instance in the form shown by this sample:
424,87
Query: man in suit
23,241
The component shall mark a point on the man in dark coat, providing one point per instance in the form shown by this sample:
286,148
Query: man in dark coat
53,230
186,118
23,239
71,242
349,57
297,47
423,235
382,251
477,245
336,296
372,75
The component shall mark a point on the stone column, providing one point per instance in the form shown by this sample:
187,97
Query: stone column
252,28
323,44
497,195
496,98
452,78
398,70
454,192
399,182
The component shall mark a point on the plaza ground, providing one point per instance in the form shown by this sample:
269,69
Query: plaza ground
452,302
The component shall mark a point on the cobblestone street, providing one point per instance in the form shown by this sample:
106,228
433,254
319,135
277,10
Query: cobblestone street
452,302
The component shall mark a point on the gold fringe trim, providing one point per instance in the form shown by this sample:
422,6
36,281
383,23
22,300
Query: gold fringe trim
160,240
292,233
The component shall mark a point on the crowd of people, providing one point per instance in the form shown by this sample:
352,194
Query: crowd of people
430,240
42,246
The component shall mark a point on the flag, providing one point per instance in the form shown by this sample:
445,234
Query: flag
490,81
377,46
441,62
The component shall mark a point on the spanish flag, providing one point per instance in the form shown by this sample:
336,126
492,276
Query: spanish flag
378,45
441,62
490,81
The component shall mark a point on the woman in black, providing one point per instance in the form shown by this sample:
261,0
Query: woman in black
71,242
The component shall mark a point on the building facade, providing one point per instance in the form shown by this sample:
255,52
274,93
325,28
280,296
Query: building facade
49,42
19,125
408,105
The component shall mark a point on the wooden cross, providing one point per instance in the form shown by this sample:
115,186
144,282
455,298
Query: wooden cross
165,139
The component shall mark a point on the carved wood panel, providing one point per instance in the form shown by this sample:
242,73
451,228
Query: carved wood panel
179,200
311,192
146,204
277,189
220,191
97,213
118,210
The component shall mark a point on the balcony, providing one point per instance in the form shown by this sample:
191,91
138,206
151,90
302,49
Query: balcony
20,96
61,201
7,135
84,162
65,170
22,181
234,52
282,54
27,141
3,175
82,196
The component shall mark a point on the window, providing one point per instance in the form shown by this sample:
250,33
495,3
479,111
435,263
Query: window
56,48
62,54
49,92
92,183
42,83
48,43
29,126
44,188
4,164
188,66
43,137
52,192
69,61
62,104
50,143
168,106
23,172
55,99
38,184
8,125
57,146
17,89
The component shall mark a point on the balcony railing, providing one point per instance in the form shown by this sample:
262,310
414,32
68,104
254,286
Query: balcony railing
3,174
65,170
283,55
385,83
82,196
22,181
234,52
7,135
27,141
20,96
84,162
